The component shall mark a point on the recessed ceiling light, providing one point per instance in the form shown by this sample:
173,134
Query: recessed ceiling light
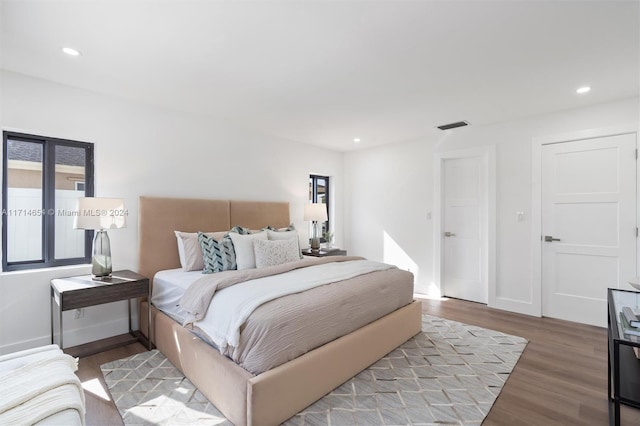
584,89
70,51
356,140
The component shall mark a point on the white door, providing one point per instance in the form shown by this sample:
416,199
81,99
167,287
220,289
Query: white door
464,230
588,225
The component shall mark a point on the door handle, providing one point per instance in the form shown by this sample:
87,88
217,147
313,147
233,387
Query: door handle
449,234
549,238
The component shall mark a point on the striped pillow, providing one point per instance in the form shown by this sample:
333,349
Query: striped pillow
218,255
241,230
190,251
288,228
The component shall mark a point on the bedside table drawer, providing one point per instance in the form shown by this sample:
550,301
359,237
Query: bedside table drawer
106,293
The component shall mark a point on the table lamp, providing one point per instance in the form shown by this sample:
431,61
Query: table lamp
100,214
315,212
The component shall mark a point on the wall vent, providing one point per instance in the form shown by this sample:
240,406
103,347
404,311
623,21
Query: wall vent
453,125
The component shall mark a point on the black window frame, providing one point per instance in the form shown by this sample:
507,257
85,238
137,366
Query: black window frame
48,200
313,181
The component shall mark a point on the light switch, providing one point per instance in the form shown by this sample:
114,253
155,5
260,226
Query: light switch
520,216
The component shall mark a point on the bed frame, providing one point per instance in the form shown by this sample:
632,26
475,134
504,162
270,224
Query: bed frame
275,395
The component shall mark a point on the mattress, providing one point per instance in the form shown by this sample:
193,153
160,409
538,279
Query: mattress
168,288
285,328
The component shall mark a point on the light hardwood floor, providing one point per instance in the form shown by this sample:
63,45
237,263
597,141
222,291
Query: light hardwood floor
561,378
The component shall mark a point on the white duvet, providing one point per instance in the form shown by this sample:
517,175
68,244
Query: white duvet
231,306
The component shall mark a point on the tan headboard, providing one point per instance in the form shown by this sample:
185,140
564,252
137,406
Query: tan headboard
160,217
257,215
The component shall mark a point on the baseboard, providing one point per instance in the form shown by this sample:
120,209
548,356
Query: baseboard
75,337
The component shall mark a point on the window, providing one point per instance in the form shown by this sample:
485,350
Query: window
319,193
42,180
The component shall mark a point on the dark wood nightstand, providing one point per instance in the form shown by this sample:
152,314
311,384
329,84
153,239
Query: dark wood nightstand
82,291
324,252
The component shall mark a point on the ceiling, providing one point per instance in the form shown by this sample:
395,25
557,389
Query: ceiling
326,72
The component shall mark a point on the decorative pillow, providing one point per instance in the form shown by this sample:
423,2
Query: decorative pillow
275,252
285,235
241,230
189,250
243,245
218,255
288,228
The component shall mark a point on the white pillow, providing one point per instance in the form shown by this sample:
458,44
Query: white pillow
243,246
275,252
281,235
189,250
285,235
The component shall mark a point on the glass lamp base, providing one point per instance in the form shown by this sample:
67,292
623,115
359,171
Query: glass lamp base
315,237
101,261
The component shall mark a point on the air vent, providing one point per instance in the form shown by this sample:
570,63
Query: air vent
453,125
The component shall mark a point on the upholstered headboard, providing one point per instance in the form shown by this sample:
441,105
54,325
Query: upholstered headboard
160,217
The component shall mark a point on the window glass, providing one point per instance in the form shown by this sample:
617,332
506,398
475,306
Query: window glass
70,179
321,194
23,210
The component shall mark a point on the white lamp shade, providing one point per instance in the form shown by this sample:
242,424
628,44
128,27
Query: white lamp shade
315,211
100,213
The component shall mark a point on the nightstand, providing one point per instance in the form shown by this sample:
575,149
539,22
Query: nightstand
324,252
82,291
624,365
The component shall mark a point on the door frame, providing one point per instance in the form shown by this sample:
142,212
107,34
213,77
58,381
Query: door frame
536,201
487,155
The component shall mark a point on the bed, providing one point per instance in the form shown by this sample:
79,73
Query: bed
245,398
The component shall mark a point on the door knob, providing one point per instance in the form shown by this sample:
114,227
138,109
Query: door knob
549,238
449,234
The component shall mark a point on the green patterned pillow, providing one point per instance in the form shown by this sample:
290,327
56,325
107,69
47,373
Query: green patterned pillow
288,228
218,255
240,230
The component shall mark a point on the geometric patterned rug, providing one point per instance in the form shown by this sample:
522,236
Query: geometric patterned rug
450,373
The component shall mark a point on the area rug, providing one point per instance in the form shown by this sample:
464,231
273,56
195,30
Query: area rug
451,373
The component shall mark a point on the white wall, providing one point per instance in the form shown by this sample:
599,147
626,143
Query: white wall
390,190
145,150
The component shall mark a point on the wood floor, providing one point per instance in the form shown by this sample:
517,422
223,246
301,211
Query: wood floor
561,378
